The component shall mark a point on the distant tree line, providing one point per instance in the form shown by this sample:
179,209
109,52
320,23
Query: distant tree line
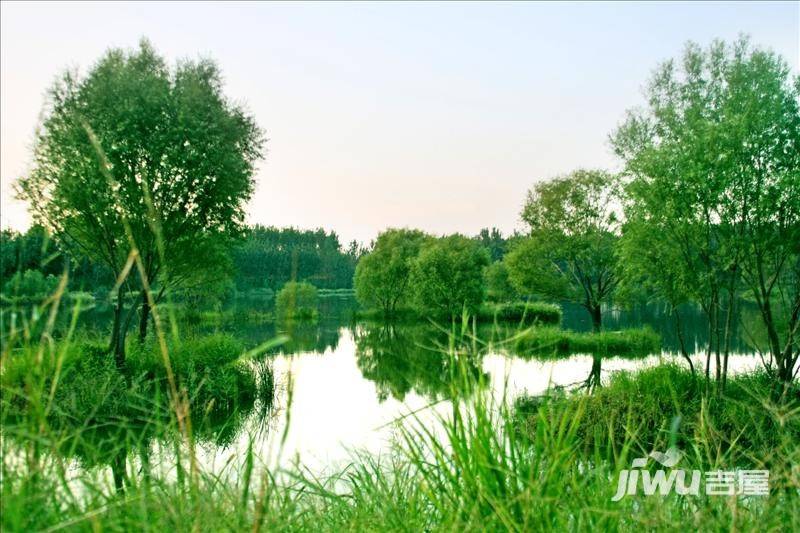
269,257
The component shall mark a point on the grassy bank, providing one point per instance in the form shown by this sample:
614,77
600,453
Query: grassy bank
480,473
668,405
553,342
516,313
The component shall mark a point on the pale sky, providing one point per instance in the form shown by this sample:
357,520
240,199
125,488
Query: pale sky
435,116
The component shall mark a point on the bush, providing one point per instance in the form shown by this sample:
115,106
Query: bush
381,278
208,367
297,300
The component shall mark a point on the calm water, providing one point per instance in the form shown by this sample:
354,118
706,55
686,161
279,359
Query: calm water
342,384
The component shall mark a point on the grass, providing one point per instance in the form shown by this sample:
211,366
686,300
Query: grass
486,465
478,473
556,342
520,313
668,405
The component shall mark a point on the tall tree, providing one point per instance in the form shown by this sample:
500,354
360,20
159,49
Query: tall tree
448,275
382,276
569,253
137,158
714,167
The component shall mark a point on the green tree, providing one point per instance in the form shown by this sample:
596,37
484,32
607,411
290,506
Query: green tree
569,253
297,299
498,285
382,276
140,160
447,276
494,242
30,285
269,257
714,166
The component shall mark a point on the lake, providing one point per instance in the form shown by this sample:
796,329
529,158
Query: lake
342,385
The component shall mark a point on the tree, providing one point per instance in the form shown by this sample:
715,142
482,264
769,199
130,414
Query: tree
448,275
382,276
494,242
297,299
269,257
569,253
498,284
139,160
714,168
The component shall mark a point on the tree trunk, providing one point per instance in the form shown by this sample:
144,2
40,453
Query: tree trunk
593,381
597,317
117,345
118,471
681,340
144,317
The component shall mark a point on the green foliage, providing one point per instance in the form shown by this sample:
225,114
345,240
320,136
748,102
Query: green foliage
36,250
498,285
570,251
713,198
30,285
382,276
138,155
521,312
494,242
447,276
547,341
297,299
667,405
270,257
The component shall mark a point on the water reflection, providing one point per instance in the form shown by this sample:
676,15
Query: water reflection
351,380
402,358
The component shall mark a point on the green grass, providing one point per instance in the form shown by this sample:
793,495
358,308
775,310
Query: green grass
480,473
667,404
555,342
485,465
337,293
521,312
516,313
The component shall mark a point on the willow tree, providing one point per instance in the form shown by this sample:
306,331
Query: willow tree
714,170
382,276
569,253
140,158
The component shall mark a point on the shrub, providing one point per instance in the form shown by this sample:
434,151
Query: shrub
297,300
667,404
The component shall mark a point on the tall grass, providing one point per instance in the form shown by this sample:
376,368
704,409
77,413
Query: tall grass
484,465
549,341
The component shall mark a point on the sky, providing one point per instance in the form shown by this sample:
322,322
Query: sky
437,116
